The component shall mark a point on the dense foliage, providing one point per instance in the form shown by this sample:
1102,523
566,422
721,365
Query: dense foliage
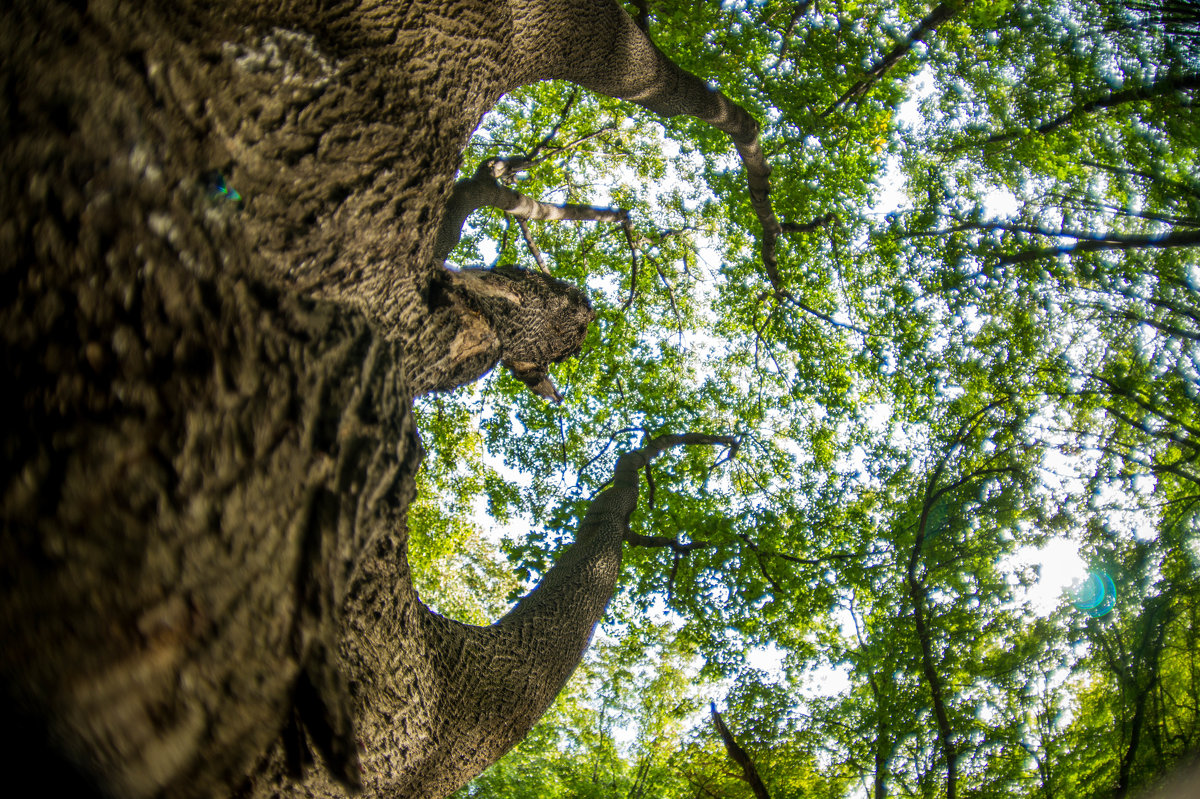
988,350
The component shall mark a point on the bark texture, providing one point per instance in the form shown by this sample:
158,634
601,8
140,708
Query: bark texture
219,298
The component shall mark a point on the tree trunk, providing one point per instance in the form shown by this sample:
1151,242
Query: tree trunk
208,441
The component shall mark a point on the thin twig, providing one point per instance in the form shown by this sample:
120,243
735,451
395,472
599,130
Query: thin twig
633,270
549,137
532,245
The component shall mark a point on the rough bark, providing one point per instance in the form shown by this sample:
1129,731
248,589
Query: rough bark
209,448
481,317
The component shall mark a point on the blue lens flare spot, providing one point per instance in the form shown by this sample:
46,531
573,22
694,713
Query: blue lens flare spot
219,188
1096,595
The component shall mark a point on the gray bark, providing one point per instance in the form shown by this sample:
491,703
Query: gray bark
208,442
484,190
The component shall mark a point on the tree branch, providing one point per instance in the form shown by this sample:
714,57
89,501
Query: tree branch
798,12
633,266
926,26
739,756
532,245
1183,238
485,189
1117,390
808,227
645,75
677,546
532,156
1171,183
1169,85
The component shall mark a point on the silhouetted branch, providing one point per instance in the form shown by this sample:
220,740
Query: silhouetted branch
800,10
1175,185
808,227
633,266
1169,85
739,756
532,156
1182,238
926,26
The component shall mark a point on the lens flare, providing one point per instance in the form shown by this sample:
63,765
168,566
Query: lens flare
1096,595
219,188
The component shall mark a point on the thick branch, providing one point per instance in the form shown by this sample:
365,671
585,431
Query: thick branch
1181,238
624,63
677,546
558,615
808,227
739,756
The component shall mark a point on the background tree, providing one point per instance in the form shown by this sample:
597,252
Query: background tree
1026,271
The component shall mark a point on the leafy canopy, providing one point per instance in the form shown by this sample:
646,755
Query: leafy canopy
994,344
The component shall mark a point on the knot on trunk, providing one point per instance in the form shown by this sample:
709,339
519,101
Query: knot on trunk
525,320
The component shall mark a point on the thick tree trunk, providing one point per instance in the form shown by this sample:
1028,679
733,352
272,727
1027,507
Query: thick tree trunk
208,444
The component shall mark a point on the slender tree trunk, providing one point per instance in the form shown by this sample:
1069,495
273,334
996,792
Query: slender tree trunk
739,755
934,682
1144,679
918,593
